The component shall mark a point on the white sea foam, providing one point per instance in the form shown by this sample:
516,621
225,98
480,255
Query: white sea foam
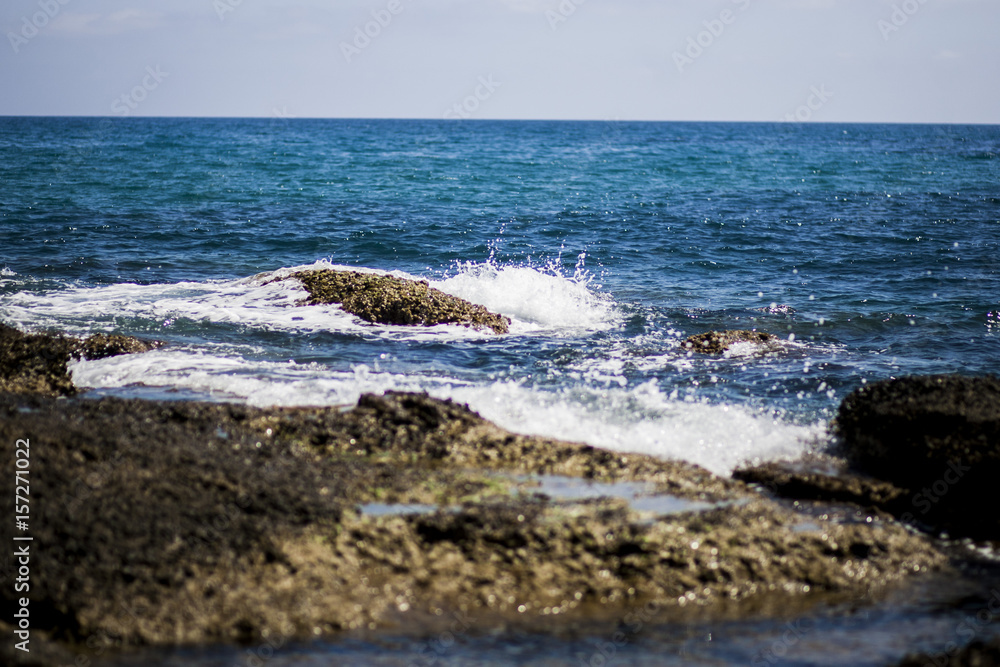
644,420
227,375
534,299
595,403
638,419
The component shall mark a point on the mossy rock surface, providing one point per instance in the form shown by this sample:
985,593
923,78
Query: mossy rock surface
717,342
391,300
37,363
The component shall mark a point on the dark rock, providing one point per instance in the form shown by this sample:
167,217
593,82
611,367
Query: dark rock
37,363
939,437
717,342
102,345
784,481
42,652
976,654
776,309
182,522
390,300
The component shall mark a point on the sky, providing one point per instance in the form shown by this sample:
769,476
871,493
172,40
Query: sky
922,61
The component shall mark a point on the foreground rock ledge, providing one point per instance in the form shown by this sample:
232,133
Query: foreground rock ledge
391,300
179,522
38,363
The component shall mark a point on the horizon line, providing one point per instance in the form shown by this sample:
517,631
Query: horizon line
480,120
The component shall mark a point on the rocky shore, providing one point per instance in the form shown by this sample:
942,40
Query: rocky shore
162,523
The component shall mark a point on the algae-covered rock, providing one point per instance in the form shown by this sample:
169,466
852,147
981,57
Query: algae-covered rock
37,363
939,437
782,479
717,342
102,345
181,522
391,300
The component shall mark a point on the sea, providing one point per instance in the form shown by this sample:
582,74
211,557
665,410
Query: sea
870,251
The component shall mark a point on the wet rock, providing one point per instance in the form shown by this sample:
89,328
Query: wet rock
939,437
102,345
783,480
37,363
717,342
776,309
391,300
182,522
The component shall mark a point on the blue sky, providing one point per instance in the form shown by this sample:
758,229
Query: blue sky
932,61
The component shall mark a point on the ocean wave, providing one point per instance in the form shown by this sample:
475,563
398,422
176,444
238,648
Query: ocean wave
534,300
639,418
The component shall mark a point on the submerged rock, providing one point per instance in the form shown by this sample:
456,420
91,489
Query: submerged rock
37,363
717,342
939,437
181,522
776,309
391,300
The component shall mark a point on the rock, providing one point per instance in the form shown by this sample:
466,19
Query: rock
939,437
782,479
37,363
776,309
102,345
977,654
390,300
717,342
185,522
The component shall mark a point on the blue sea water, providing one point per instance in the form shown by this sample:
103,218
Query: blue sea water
871,250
